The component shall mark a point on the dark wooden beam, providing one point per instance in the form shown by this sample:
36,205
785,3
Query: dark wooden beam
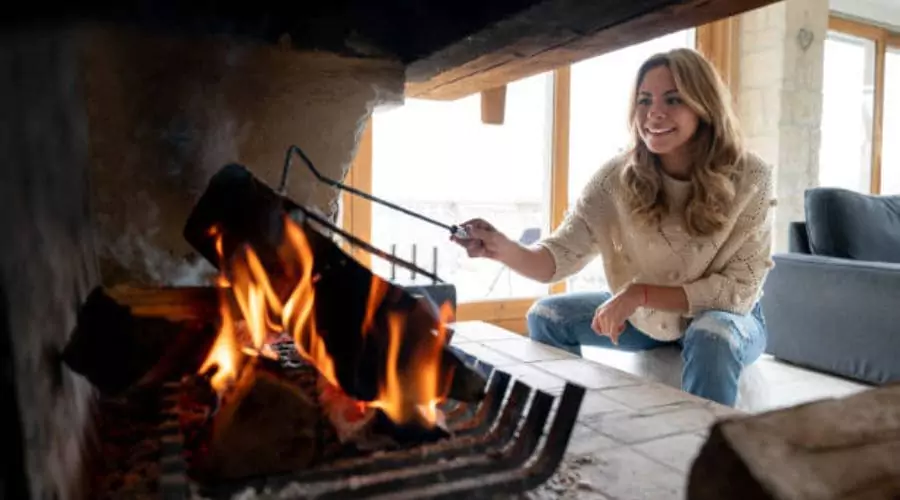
555,33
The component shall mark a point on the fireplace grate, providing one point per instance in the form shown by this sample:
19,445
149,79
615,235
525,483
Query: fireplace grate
511,442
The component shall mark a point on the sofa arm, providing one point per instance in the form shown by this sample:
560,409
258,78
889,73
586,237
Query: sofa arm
836,315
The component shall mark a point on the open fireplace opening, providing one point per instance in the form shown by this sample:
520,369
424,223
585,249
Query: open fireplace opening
299,372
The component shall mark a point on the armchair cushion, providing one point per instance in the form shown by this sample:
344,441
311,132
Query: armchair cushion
850,225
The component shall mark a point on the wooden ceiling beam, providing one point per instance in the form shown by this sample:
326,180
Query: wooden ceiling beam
555,33
493,105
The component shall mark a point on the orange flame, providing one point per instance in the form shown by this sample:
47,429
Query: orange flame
377,290
390,398
415,393
404,395
223,353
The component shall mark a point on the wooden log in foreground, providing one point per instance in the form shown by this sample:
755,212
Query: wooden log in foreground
832,449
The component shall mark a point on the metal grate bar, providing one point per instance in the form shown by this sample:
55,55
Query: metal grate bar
483,419
432,455
504,450
510,454
406,457
535,473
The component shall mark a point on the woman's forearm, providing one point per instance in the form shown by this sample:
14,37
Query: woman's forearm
532,262
664,298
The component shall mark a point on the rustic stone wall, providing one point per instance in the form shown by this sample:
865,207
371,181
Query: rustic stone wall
166,113
47,263
107,139
782,49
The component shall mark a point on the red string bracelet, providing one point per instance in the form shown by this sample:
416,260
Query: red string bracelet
645,294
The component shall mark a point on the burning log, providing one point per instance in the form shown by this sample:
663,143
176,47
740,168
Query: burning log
367,336
265,424
117,350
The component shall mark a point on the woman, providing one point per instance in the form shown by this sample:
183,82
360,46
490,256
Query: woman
682,223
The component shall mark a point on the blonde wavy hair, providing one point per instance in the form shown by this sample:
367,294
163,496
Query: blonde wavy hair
716,147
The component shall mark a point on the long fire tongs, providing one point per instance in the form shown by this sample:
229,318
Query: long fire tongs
455,230
282,190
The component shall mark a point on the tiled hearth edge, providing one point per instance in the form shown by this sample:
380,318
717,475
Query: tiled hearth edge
635,438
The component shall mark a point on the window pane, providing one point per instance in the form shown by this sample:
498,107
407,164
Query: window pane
890,137
599,121
845,155
438,158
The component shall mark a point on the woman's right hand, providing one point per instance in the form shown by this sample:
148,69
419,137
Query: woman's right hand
484,240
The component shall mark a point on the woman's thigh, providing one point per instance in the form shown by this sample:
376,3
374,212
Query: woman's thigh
564,320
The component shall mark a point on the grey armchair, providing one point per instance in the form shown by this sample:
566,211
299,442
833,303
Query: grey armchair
832,302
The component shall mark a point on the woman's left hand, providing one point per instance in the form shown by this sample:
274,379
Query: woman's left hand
609,319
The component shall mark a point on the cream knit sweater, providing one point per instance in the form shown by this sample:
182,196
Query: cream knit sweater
723,271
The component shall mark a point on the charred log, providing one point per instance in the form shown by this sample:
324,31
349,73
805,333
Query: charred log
265,425
238,210
116,350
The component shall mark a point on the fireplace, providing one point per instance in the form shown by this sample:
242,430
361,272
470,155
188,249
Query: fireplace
511,440
116,118
299,372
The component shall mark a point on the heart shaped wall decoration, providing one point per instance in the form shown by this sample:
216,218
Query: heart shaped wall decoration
805,38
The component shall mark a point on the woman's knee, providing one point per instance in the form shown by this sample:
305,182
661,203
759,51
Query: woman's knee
543,316
715,329
550,316
713,356
724,338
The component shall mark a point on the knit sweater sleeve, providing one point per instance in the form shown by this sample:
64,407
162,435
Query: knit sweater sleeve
576,241
735,277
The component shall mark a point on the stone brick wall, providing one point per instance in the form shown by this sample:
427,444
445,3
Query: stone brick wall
165,113
107,139
47,263
780,97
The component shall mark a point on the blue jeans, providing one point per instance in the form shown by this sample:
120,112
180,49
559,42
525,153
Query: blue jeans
716,346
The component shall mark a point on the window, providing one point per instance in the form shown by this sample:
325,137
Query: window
599,122
437,158
890,152
861,108
847,112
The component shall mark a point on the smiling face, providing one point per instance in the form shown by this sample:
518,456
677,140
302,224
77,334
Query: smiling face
665,123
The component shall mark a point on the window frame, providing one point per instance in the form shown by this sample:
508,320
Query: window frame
883,38
715,40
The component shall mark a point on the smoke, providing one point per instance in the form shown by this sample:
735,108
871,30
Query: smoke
201,137
138,253
140,260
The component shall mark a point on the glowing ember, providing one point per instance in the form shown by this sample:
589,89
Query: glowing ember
411,393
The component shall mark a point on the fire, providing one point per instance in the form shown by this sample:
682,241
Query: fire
223,354
377,289
412,393
415,393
